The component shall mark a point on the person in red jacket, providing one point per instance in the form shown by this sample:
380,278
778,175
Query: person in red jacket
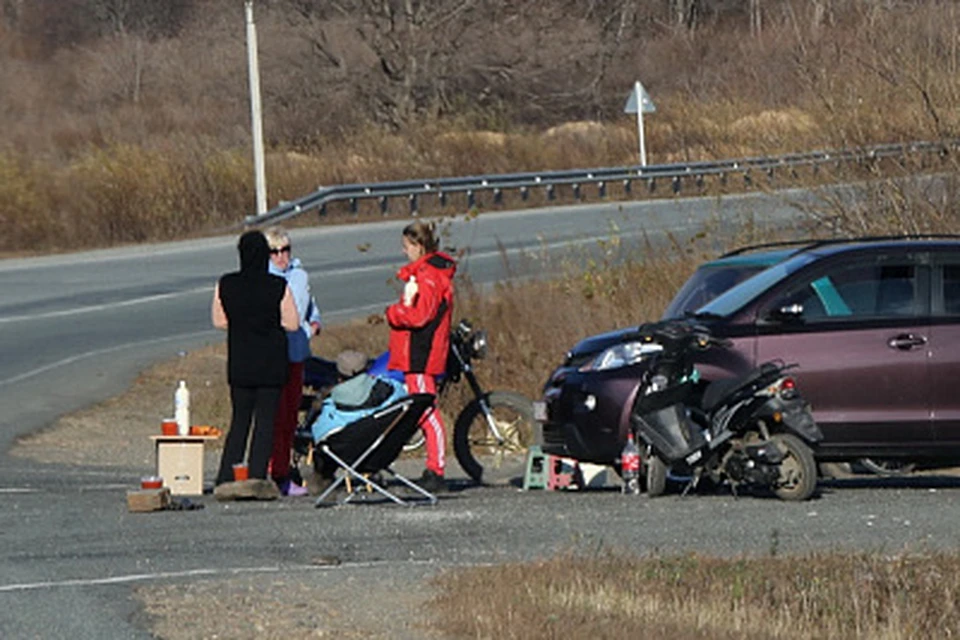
420,333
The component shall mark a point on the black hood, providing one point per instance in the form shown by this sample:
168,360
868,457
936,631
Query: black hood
599,342
254,252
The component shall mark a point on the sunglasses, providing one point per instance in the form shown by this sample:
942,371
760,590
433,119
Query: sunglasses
276,252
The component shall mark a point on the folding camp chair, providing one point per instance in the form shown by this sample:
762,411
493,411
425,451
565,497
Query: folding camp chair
371,445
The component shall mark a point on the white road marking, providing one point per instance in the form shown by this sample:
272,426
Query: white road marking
103,307
97,352
18,490
190,573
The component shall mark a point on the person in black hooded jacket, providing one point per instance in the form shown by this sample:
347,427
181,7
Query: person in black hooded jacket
256,308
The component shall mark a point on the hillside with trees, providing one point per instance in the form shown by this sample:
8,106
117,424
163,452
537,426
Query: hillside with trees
128,120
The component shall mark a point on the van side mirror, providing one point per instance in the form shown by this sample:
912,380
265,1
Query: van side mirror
790,312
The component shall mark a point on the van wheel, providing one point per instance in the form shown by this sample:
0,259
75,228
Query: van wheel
798,471
656,477
887,468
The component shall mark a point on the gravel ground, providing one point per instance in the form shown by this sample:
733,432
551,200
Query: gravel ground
355,602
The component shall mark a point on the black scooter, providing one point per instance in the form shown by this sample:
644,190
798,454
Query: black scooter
755,431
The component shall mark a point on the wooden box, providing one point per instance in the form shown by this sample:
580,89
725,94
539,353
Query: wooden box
143,500
180,463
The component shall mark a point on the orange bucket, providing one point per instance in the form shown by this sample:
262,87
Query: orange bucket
168,427
241,472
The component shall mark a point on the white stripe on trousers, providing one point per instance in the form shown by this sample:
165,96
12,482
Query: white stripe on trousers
431,425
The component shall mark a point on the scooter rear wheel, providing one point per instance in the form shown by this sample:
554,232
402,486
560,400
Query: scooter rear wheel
798,471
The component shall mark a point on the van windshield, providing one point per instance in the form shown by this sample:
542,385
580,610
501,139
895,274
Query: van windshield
705,284
742,294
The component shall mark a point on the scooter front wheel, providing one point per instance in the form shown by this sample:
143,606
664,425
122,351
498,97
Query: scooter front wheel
656,476
484,457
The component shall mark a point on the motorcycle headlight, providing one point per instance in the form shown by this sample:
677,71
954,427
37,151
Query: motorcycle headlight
478,344
621,355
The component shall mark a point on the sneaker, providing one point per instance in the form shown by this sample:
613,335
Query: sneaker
292,489
432,481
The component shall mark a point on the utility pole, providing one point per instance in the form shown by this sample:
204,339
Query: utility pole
253,65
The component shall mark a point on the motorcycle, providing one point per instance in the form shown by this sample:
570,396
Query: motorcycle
492,431
755,431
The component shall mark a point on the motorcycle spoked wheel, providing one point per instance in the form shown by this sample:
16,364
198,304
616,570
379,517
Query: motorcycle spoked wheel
798,471
484,459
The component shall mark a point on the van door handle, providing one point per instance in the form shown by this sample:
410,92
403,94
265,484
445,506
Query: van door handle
906,341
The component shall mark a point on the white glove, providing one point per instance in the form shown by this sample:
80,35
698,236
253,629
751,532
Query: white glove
410,291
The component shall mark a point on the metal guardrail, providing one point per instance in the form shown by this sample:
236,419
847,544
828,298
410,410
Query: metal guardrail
676,174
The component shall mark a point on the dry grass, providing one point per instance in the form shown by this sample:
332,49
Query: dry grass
686,597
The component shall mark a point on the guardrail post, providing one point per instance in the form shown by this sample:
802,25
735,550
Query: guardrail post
524,193
323,210
627,186
497,196
602,190
471,199
747,179
551,193
723,179
413,204
383,205
699,181
576,191
770,175
675,184
442,196
651,184
354,206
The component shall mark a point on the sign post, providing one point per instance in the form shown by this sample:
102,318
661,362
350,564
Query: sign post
639,102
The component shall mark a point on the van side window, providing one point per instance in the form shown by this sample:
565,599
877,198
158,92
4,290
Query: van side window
861,291
951,289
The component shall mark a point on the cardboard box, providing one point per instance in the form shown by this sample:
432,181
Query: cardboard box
143,500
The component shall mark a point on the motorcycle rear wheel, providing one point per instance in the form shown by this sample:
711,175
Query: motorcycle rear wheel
484,459
798,471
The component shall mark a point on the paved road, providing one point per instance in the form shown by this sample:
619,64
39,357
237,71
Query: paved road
75,329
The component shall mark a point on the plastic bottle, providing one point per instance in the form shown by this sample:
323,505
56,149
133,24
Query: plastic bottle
630,466
181,408
410,291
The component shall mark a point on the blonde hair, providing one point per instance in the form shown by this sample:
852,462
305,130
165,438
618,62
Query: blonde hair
276,237
422,233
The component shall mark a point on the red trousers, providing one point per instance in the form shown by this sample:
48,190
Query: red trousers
431,423
285,422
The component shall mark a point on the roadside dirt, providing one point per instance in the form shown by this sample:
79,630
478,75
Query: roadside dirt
338,603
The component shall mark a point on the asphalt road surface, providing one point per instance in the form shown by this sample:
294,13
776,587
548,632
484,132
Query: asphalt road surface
74,329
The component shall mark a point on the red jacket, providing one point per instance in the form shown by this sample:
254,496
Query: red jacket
420,333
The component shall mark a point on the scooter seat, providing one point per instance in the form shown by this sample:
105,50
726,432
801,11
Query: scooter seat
720,390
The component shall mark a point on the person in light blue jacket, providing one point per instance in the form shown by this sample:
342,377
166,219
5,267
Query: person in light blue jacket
298,350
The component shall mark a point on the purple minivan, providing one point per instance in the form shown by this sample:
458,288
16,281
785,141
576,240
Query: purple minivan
874,325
